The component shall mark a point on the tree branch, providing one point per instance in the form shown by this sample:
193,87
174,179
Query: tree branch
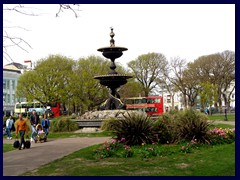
63,7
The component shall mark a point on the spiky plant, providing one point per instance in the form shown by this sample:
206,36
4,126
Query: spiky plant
165,128
191,124
135,129
64,125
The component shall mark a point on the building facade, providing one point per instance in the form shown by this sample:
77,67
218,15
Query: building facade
11,74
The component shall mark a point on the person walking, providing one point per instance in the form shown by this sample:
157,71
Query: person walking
22,128
34,120
45,125
9,124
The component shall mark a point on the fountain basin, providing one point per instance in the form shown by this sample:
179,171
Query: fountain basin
113,80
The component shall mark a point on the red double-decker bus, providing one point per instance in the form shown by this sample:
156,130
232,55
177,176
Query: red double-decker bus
56,108
136,103
152,105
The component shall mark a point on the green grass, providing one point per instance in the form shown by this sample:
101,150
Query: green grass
72,134
8,147
224,126
206,161
221,117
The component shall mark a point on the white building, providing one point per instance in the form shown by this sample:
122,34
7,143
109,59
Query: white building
11,74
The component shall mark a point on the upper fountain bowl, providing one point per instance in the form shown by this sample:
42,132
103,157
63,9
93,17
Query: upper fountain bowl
112,52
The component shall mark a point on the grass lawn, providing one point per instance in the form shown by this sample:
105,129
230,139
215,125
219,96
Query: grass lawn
8,147
223,126
221,117
72,134
205,161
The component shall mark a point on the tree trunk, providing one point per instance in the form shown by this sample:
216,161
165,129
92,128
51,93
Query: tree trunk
172,101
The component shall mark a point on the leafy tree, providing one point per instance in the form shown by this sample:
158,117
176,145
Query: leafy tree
208,94
147,68
48,82
87,90
131,89
218,69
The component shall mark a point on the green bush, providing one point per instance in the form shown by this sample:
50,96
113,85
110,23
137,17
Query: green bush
165,128
134,128
191,124
107,124
63,124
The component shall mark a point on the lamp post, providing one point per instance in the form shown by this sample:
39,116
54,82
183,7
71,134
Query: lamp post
225,112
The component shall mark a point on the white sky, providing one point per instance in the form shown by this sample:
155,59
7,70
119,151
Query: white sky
187,31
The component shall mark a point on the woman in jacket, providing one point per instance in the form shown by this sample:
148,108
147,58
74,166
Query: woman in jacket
21,128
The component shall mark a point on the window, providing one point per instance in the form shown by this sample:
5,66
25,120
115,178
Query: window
18,106
4,84
37,105
168,98
8,98
7,84
157,100
13,98
30,105
13,84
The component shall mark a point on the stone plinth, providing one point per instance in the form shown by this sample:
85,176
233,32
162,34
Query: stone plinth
106,114
95,118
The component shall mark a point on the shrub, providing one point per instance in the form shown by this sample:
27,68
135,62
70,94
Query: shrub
107,124
191,124
64,124
135,128
165,128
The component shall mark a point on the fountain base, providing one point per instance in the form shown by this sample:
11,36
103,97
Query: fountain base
95,118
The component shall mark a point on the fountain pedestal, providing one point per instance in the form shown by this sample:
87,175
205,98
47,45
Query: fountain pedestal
112,80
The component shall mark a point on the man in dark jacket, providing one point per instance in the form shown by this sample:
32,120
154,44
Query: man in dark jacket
34,120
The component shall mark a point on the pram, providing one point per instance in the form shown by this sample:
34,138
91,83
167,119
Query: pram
41,135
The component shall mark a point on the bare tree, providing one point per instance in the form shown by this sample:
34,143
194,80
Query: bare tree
147,68
10,40
74,8
175,75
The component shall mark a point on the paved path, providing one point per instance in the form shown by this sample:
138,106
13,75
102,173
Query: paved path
18,162
223,122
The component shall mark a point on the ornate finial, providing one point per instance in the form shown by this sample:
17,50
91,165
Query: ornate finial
112,44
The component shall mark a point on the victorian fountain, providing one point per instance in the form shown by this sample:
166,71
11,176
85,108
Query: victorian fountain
113,106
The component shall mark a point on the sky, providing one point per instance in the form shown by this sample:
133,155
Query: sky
187,31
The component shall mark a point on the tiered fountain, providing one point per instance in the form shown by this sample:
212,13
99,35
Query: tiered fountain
112,80
112,107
